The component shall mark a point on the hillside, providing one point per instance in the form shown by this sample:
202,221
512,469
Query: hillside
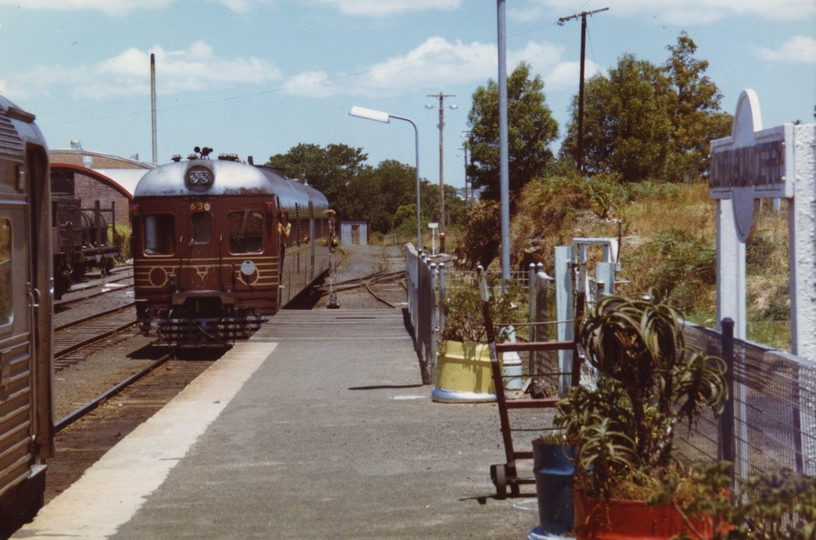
668,243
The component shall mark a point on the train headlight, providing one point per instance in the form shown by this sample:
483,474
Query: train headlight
248,268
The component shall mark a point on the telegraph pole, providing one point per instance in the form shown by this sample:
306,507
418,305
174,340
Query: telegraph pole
441,98
561,21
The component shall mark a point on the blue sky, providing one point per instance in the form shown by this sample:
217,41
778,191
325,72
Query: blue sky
256,77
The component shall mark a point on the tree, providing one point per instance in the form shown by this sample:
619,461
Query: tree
328,170
626,124
531,128
693,104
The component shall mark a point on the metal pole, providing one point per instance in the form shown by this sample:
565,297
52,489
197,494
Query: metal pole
581,97
504,178
416,158
153,101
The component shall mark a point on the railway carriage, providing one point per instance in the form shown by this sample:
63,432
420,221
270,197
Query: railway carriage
207,251
26,303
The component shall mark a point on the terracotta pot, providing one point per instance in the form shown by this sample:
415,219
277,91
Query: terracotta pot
614,519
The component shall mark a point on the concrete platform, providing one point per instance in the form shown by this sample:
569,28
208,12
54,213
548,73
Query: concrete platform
317,427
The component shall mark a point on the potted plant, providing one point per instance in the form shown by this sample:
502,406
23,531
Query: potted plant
463,372
649,383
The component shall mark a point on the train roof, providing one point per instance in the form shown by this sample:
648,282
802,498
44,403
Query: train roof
221,177
17,127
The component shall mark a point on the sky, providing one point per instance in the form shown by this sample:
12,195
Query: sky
257,77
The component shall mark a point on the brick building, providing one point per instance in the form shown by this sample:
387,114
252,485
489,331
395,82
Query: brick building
103,177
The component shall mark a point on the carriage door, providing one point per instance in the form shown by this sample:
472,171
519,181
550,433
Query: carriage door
200,271
16,347
251,267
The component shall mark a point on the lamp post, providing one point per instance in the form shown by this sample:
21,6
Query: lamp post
504,175
384,117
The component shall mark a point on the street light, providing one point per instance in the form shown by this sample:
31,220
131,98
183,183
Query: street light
384,117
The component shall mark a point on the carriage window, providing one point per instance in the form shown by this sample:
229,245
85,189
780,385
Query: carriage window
201,223
245,232
5,273
159,234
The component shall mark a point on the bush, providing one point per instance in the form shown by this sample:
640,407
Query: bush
121,239
678,264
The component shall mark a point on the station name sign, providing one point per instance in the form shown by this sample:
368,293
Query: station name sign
761,165
753,163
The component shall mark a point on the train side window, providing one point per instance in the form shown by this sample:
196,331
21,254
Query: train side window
6,310
245,232
159,234
201,224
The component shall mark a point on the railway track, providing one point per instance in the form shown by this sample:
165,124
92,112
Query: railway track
94,288
380,279
75,341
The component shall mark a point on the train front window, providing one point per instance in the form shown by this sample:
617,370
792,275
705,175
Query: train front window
201,225
245,232
159,234
5,272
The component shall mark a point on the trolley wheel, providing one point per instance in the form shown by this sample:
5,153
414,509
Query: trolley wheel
498,473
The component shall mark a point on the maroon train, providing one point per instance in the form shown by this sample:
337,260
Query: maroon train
207,250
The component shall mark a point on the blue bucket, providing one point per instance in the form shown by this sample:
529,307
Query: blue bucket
554,469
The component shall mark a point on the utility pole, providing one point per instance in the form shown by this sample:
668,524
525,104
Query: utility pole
561,21
441,98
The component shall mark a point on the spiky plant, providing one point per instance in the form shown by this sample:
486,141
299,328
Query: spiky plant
649,382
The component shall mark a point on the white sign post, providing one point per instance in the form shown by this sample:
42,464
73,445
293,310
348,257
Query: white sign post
753,164
433,226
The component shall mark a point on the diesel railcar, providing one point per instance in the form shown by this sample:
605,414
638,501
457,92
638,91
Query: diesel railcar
26,304
210,261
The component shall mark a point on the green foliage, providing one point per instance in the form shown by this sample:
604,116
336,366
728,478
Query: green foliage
774,505
693,102
482,239
677,264
626,126
649,383
358,191
648,122
464,316
121,239
531,128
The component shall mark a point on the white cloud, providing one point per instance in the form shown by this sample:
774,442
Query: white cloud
797,50
379,8
438,63
118,7
682,12
128,74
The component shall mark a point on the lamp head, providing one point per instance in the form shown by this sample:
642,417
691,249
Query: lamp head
370,114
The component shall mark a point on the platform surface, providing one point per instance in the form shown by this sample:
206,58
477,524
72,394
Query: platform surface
317,427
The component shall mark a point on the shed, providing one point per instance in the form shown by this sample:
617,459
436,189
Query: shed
354,231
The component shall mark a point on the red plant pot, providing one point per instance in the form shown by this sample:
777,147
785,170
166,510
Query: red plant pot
614,519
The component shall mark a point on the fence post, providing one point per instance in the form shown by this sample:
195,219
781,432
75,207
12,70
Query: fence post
432,312
726,443
442,296
564,312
